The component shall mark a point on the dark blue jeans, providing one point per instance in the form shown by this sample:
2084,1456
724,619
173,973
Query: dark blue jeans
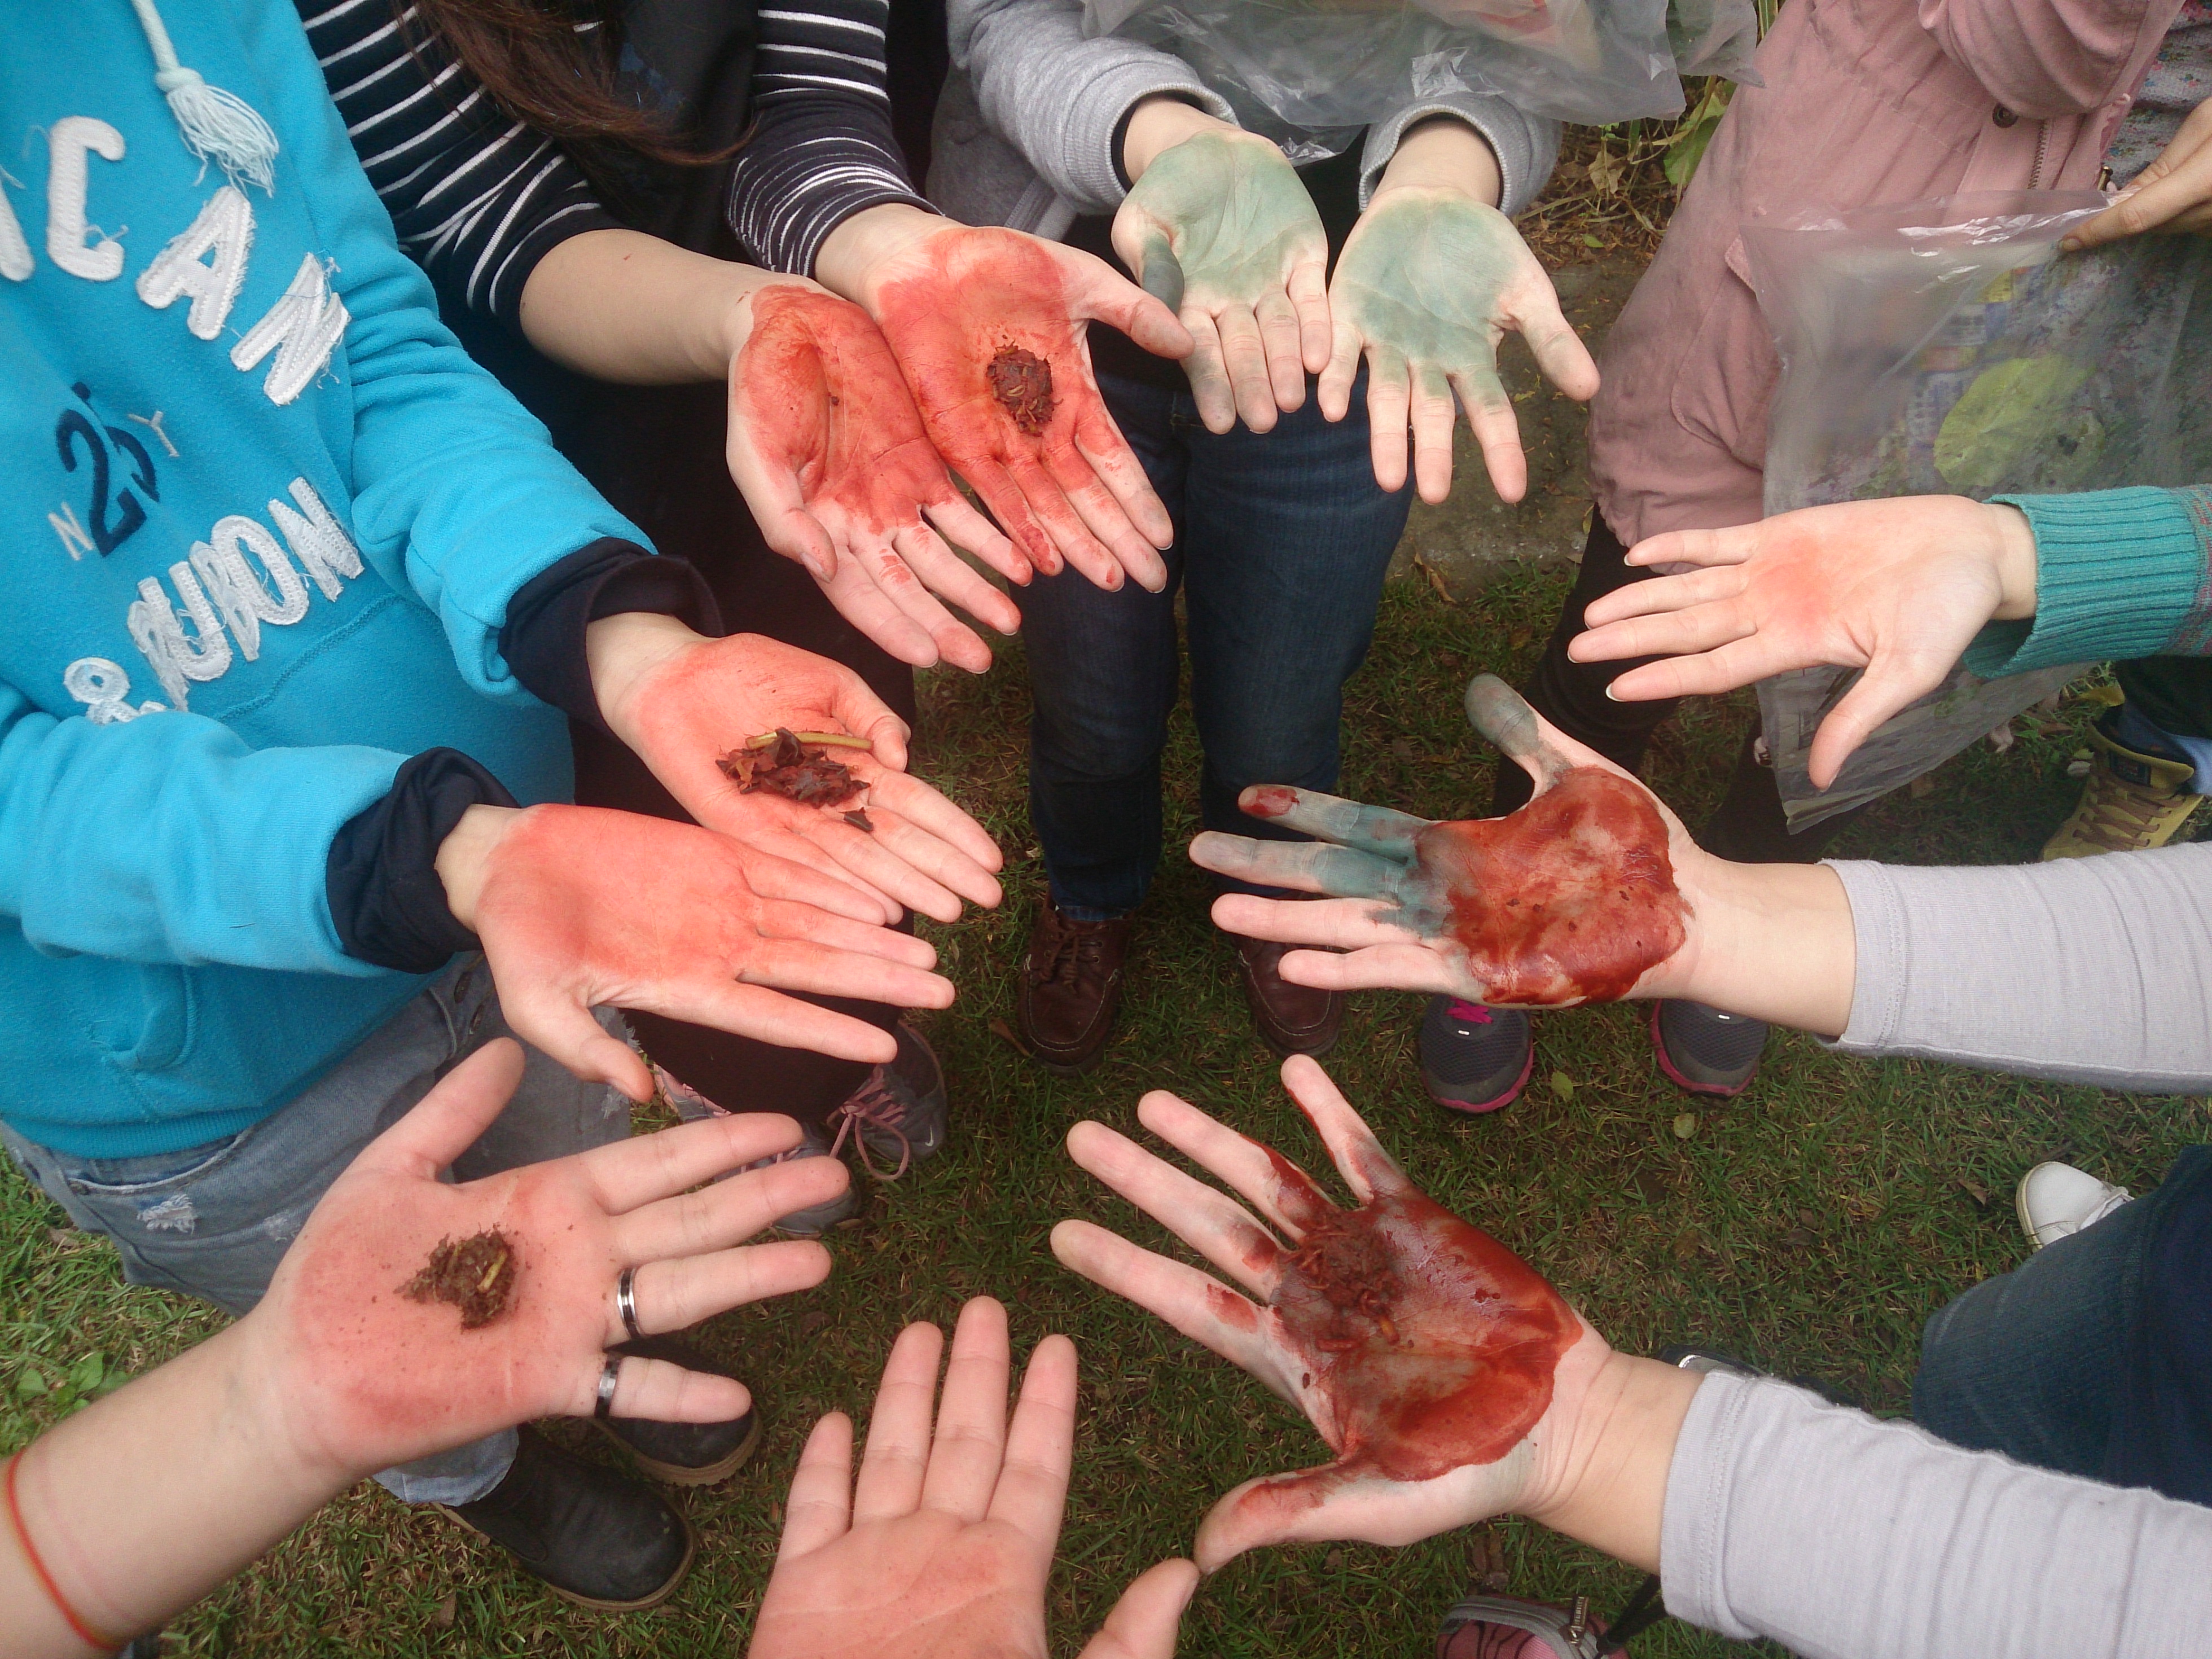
1281,543
2094,1356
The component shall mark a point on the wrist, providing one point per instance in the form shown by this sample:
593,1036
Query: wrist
1609,1490
1771,941
2014,552
851,253
465,858
1162,120
1443,153
620,653
723,343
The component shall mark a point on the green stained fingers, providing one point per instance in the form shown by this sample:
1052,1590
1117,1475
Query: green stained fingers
1308,867
1503,714
1377,830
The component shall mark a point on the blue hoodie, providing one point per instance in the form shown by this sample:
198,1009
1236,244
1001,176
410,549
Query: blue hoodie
263,518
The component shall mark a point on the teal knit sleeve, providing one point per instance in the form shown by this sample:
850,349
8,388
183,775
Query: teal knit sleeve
2120,574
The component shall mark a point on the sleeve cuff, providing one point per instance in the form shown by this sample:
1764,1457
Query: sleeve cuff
387,904
1527,146
2148,544
1877,931
1094,181
543,640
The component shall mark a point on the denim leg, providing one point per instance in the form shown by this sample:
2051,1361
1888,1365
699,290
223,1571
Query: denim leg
1288,539
214,1221
1102,681
2032,1363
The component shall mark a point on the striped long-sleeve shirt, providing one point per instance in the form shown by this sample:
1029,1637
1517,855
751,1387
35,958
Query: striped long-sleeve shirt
479,199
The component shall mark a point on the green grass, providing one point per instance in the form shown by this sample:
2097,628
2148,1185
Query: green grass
1811,1226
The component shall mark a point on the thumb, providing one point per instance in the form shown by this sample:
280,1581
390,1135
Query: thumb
1144,1622
1275,1509
560,1026
1889,685
865,715
1159,271
446,1121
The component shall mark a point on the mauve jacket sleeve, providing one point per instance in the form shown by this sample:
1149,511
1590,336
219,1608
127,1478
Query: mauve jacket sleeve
2045,58
1844,1538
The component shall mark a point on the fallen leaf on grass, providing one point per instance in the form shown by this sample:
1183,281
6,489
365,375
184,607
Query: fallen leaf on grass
1686,1125
1008,1035
1563,1085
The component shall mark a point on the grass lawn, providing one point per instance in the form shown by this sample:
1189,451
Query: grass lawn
1811,1226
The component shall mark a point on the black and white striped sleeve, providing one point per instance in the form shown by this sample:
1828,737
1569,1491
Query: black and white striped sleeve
477,198
821,147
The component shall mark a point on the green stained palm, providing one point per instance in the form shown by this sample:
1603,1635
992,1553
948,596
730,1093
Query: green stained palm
1220,227
1428,281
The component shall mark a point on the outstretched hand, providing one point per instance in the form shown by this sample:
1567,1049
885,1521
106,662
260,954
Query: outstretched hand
1589,893
1448,1378
579,908
989,328
680,701
828,448
1428,282
944,1546
369,1376
1899,587
1220,227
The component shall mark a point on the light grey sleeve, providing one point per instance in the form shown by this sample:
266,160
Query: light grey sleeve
1056,97
1527,146
1844,1538
2086,970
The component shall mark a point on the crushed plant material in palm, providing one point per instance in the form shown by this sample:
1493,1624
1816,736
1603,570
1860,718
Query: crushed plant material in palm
1022,381
861,821
477,1275
797,771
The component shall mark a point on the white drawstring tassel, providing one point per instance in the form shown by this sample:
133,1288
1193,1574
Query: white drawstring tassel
216,126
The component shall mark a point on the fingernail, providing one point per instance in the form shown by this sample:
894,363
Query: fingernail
1609,696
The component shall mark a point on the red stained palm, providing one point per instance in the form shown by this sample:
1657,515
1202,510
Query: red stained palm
1432,1360
828,447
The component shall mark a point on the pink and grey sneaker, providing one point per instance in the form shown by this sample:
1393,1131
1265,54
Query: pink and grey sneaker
1704,1050
1475,1059
899,1112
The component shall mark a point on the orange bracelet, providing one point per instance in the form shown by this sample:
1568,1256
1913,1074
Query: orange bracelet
85,1632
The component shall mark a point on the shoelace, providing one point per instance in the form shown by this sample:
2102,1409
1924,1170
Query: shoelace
2117,819
1071,953
873,1106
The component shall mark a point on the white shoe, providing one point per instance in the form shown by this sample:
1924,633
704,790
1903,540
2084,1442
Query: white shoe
2057,1200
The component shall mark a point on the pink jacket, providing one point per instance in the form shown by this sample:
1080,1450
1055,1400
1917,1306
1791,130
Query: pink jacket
1865,103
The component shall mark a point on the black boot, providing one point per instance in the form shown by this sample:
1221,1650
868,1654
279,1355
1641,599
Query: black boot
599,1539
684,1454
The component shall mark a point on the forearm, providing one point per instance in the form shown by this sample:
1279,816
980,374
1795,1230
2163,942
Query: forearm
2086,970
1773,941
1611,1489
1843,1538
620,306
145,1501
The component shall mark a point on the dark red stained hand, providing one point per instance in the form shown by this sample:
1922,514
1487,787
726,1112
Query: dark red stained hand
371,1376
829,448
582,908
1052,465
1428,1356
1574,898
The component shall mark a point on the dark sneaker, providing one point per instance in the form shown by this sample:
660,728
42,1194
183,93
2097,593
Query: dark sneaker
1293,1019
1070,989
595,1537
842,1210
899,1112
1514,1628
1705,1051
684,1454
1475,1059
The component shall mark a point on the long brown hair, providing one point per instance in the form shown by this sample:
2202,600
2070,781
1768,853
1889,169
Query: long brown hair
551,66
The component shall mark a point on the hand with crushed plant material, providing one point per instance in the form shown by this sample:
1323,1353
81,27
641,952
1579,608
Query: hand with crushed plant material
1592,891
988,327
1218,225
681,701
1451,1382
580,908
149,1498
1428,281
1899,587
827,446
944,1545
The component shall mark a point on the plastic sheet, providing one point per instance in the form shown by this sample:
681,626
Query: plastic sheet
1947,348
1311,73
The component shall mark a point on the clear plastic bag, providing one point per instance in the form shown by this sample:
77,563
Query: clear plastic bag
1947,348
1310,74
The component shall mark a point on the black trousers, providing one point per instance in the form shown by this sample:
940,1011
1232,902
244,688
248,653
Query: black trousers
1748,826
656,453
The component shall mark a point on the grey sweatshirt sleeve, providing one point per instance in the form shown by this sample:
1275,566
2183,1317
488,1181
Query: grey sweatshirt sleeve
1844,1538
1527,146
1058,98
2085,970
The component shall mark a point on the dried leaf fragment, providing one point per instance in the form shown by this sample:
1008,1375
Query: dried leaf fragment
476,1275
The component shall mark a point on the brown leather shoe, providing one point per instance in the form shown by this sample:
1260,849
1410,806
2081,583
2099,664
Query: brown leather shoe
1070,989
1293,1019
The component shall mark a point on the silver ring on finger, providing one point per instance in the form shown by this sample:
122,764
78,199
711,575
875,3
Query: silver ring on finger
626,1301
609,1374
